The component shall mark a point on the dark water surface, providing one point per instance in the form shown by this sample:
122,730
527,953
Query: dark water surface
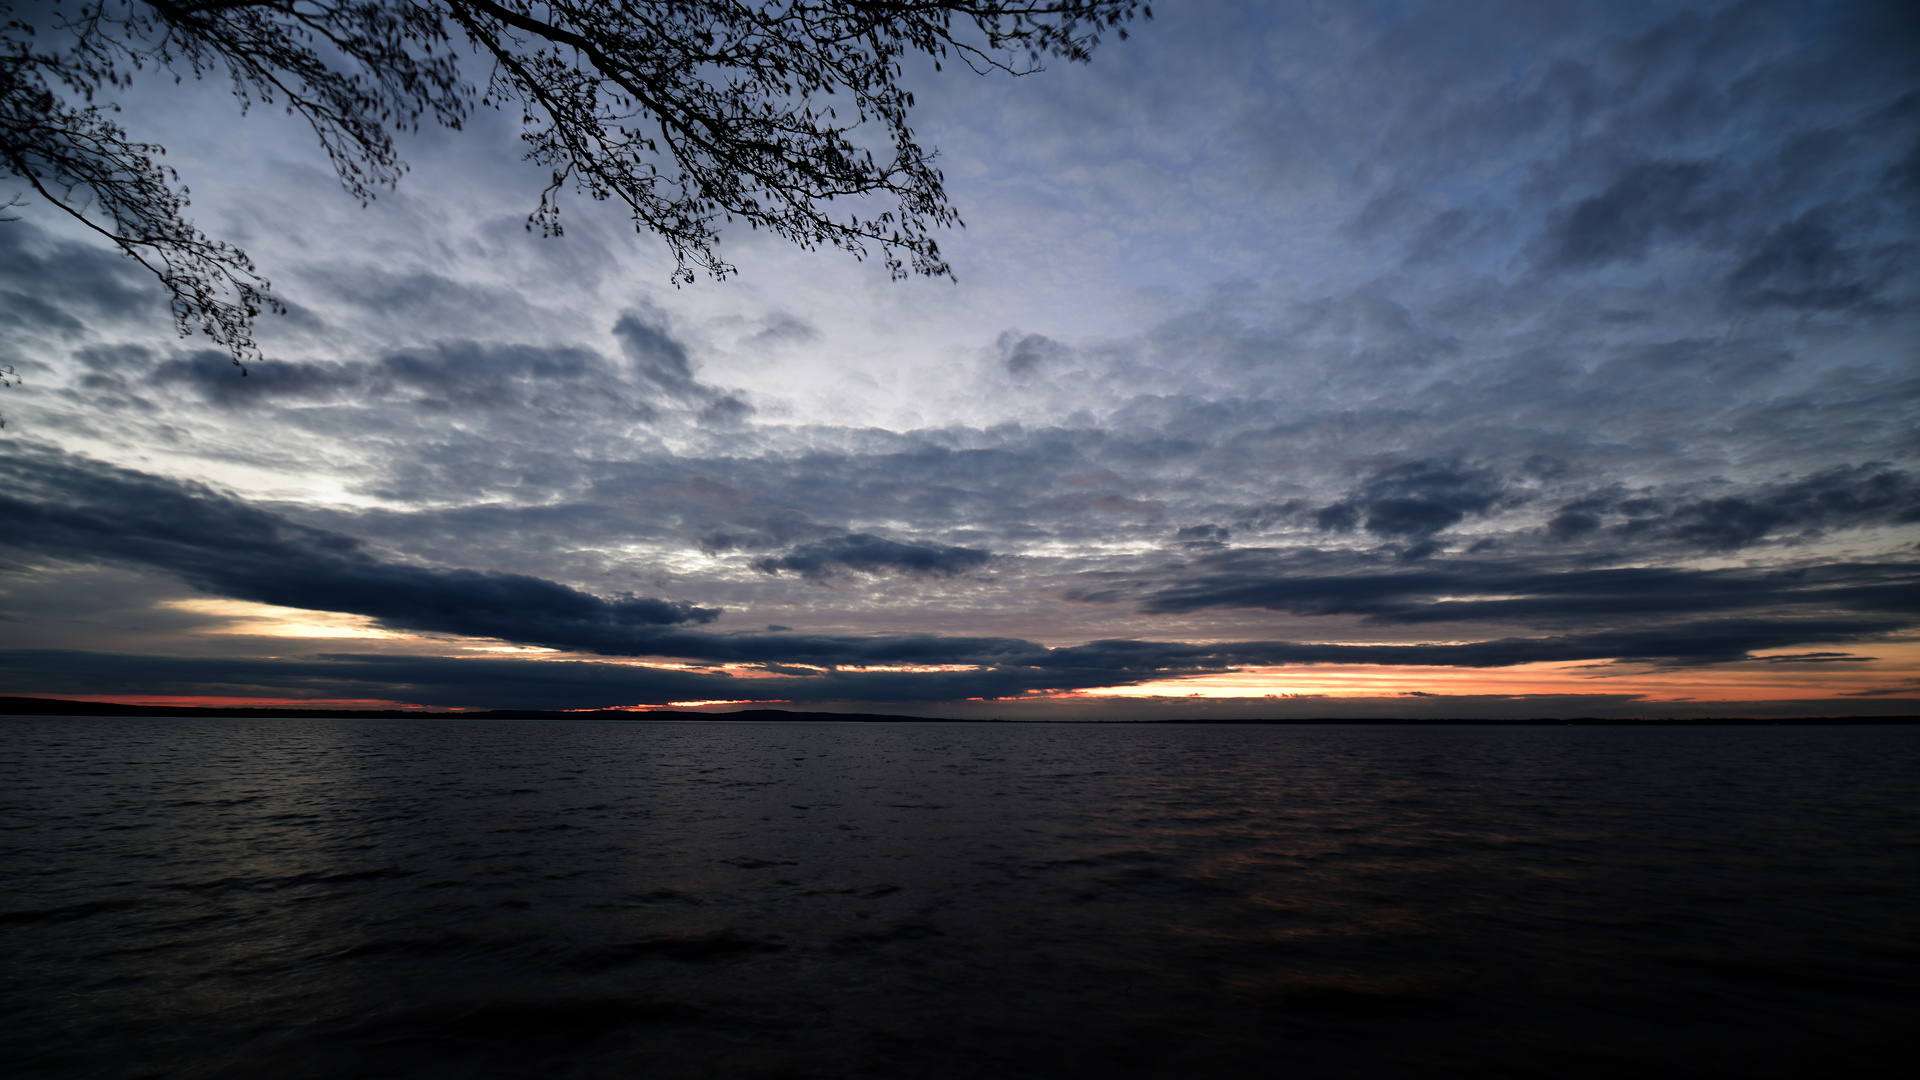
241,898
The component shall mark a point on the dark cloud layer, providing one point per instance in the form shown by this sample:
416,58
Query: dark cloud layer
499,683
61,285
1768,142
71,508
1681,644
74,509
1844,496
873,555
1649,201
1520,592
1412,501
454,378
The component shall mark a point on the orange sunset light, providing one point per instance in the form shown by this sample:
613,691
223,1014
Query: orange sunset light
1757,680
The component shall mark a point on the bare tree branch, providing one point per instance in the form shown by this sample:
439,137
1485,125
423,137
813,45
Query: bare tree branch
690,113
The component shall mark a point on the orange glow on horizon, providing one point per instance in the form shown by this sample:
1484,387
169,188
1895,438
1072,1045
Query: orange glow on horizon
1760,679
1830,673
210,701
706,704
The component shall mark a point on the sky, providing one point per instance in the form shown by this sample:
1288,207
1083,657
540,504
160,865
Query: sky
1305,360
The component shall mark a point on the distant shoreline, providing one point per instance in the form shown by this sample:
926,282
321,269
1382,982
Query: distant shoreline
30,706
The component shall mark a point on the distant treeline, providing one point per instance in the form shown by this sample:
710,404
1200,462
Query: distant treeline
29,706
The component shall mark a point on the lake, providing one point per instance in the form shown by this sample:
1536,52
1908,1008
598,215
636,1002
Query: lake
330,898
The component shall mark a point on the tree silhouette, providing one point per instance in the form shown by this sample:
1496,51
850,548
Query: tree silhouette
691,113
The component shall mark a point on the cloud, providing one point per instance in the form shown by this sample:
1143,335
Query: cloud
549,684
1208,534
655,355
75,509
1757,150
1525,592
1845,496
431,681
662,361
1657,199
1807,264
782,329
1693,643
53,285
450,377
1028,354
1415,500
79,510
870,554
1000,668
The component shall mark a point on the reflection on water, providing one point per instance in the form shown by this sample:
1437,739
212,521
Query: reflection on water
228,898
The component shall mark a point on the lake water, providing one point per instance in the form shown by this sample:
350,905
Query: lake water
334,898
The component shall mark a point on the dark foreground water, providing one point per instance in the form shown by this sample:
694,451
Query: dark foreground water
246,898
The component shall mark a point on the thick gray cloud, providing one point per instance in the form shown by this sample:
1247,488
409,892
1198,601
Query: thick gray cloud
873,555
61,285
77,510
452,377
81,510
1414,500
1525,592
1840,497
435,681
989,669
1655,200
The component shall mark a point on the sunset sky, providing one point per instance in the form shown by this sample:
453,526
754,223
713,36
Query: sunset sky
1306,359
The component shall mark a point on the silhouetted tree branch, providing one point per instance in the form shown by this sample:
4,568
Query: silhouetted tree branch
691,113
